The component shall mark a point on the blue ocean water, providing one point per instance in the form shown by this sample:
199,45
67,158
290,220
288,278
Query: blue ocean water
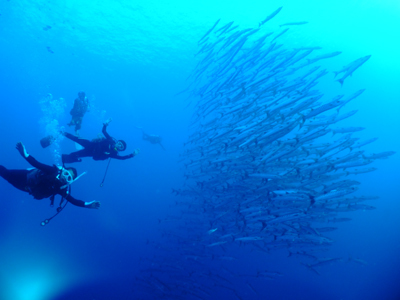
131,59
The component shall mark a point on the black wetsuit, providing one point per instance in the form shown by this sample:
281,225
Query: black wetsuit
40,182
99,149
81,106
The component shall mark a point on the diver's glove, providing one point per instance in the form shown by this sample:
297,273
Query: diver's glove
21,149
92,204
135,152
107,122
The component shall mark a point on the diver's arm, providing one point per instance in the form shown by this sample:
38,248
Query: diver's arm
123,157
104,131
38,165
30,159
80,203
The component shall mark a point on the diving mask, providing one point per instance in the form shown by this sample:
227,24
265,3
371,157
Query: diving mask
65,177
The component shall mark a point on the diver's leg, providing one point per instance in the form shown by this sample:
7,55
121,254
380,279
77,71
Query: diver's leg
17,178
78,125
75,156
83,142
69,158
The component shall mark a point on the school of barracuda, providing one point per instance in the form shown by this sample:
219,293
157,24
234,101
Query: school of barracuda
267,167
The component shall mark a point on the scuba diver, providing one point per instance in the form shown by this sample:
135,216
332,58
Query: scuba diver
81,106
152,138
44,181
99,149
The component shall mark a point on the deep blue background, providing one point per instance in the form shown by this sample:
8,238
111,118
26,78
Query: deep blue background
132,59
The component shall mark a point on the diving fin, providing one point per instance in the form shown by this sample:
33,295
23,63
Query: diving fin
47,141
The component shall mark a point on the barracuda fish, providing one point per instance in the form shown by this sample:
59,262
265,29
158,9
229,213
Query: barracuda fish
293,23
353,164
350,68
359,261
360,171
290,217
269,274
334,103
217,244
325,262
323,56
382,155
361,144
249,239
223,28
336,220
208,32
270,16
252,288
279,34
311,268
265,175
336,194
302,254
346,130
325,229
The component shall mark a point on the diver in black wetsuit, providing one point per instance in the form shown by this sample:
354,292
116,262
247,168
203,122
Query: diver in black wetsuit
98,149
44,181
81,106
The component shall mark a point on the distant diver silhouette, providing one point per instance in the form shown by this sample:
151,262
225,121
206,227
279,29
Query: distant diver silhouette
151,138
